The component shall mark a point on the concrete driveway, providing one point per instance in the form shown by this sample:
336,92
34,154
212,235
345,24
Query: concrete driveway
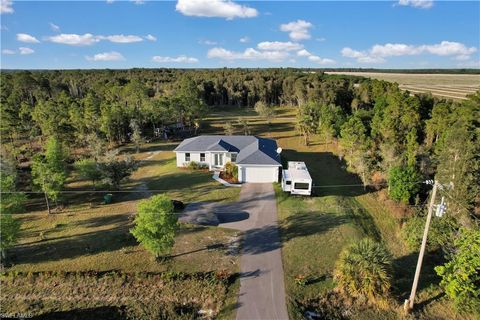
262,289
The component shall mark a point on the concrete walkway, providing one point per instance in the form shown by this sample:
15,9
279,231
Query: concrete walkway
262,289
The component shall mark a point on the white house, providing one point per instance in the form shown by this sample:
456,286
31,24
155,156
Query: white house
296,179
256,158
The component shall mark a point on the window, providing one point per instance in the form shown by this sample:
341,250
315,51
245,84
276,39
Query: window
288,183
301,186
233,157
187,156
202,157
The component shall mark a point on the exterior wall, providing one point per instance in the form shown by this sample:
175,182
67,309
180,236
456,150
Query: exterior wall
194,156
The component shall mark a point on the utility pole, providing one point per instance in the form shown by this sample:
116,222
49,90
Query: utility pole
408,305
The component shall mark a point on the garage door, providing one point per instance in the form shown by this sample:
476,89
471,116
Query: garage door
260,174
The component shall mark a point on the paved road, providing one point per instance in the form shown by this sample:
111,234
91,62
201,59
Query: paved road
262,289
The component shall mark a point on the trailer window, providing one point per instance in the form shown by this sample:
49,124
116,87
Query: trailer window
288,183
301,186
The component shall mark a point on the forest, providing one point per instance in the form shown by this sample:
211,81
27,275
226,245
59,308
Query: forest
51,121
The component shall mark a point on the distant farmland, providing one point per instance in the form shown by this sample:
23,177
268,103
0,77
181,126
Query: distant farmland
453,86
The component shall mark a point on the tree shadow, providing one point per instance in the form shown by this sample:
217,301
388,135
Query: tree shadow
104,312
328,173
71,247
261,240
404,272
215,246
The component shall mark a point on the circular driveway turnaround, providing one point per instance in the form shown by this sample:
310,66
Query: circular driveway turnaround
262,288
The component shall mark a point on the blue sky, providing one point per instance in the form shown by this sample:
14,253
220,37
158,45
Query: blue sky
227,33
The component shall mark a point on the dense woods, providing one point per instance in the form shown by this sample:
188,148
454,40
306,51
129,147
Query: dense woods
387,136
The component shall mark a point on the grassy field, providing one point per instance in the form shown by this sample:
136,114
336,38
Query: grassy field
452,86
89,236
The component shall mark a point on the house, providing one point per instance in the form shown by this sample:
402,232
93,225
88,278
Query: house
296,179
257,158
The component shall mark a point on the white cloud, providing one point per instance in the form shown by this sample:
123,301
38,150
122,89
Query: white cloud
149,37
279,46
248,54
8,51
378,53
319,60
6,6
244,39
120,38
321,39
106,56
138,2
297,30
215,8
179,59
88,39
25,50
208,42
303,53
54,27
110,1
423,4
23,37
72,39
314,58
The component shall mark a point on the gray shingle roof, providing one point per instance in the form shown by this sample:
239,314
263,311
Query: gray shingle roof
251,149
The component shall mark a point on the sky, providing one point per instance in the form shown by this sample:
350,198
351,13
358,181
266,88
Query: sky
229,33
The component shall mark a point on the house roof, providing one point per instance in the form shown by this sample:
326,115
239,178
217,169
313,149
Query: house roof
250,149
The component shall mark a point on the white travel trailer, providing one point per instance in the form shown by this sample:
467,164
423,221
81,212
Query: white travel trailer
296,179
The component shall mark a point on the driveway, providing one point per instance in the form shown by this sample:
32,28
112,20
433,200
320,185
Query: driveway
262,289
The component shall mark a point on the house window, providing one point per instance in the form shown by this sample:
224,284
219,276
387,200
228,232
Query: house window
233,157
301,186
202,157
187,156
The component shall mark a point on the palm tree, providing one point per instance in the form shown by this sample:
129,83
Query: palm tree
363,271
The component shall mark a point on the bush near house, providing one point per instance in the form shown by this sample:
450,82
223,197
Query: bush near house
230,173
194,165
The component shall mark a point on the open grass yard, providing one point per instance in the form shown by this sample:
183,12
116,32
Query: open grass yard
452,86
87,236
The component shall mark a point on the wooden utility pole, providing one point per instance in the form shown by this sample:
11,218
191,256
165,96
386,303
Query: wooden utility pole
409,303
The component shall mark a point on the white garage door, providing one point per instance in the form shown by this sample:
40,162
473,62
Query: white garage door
261,174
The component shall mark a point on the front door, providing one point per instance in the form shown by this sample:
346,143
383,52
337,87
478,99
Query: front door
218,159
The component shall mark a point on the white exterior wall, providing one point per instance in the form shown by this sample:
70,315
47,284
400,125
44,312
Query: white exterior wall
194,156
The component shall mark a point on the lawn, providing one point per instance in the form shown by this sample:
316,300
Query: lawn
88,236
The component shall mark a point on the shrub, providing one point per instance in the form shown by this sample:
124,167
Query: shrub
440,233
156,225
193,165
403,183
363,271
461,275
